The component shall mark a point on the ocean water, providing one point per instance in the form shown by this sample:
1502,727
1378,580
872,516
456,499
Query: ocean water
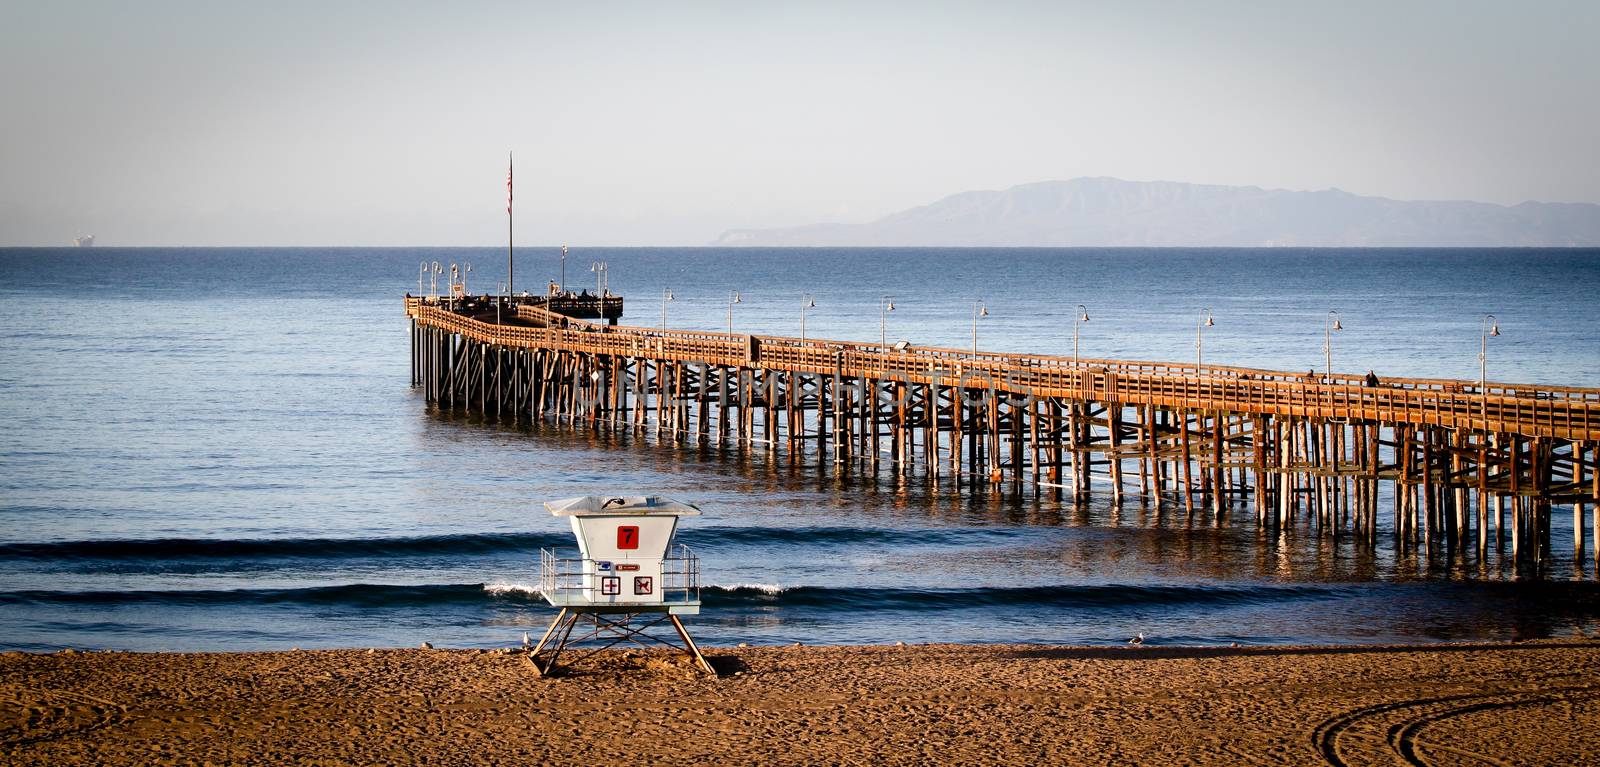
219,449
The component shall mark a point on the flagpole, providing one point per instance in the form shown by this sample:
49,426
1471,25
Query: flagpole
510,259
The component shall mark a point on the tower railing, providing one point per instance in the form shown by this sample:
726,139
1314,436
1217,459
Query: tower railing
564,580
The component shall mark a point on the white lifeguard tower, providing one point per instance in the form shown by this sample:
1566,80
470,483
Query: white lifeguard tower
627,568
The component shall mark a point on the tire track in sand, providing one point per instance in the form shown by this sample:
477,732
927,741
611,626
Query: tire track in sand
1399,725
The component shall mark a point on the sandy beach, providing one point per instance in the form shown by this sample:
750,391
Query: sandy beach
1522,703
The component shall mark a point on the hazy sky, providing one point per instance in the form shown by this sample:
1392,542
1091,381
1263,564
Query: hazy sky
387,123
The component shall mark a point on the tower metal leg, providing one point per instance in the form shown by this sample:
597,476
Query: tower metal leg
549,631
616,631
694,649
564,618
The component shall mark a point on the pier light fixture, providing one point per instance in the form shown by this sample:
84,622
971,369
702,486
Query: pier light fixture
733,298
563,269
1330,323
601,283
1205,321
1490,329
978,310
1081,317
885,305
499,300
666,295
438,269
422,271
806,302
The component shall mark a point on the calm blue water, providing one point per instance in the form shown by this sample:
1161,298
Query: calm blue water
219,449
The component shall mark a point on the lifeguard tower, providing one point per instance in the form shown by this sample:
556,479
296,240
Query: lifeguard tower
627,568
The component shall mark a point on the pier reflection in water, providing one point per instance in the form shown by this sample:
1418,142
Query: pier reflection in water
881,557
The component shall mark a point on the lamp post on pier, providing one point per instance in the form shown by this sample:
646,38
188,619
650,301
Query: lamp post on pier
455,276
806,302
599,269
978,310
666,295
433,284
1490,328
499,301
885,305
1206,321
563,269
422,271
1081,317
1329,324
733,298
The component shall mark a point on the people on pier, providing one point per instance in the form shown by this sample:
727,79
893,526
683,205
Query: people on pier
1372,378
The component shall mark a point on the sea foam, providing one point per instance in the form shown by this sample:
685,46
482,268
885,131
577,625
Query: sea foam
504,589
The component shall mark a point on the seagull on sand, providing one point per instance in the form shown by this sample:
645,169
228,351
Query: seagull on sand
1137,639
525,643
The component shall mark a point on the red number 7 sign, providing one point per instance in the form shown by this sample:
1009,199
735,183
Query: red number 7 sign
628,537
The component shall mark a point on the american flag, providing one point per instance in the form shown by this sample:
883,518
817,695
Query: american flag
508,184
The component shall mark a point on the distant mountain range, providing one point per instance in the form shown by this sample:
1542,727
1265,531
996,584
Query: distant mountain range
1112,212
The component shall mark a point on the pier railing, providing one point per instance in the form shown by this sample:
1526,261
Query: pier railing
1527,409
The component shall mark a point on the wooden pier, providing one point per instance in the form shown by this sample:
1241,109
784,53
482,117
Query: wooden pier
1461,466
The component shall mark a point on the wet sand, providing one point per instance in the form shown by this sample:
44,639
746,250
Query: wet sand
1522,703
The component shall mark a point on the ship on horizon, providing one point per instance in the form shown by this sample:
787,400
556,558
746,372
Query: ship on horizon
86,241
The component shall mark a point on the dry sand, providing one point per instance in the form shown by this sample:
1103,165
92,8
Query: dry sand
1523,703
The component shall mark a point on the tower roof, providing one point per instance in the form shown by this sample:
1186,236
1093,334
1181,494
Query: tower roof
626,505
